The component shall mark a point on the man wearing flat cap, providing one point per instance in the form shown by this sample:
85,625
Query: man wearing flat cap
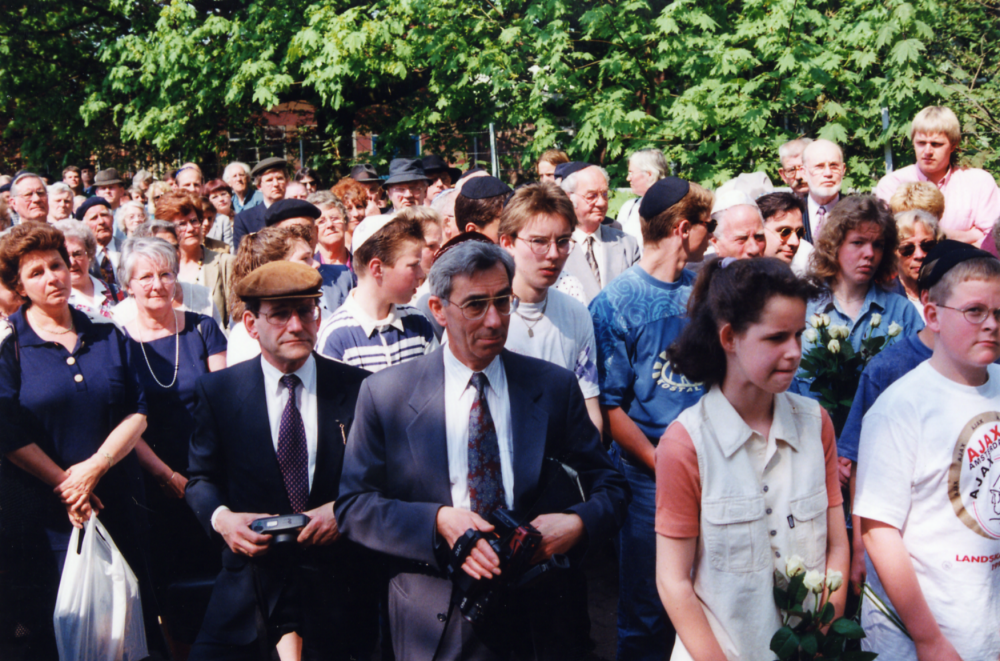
407,183
270,177
602,252
269,440
96,213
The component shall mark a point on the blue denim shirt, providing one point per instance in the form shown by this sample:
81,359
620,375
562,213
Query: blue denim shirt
252,201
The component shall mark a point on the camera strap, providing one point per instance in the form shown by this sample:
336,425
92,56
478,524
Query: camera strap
259,614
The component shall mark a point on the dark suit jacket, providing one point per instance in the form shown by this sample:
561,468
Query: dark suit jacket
396,475
233,463
248,221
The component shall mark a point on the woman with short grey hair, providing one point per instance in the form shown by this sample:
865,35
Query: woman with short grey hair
170,350
645,168
331,229
131,215
90,295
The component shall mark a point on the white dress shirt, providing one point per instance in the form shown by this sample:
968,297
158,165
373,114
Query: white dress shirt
276,396
459,395
599,252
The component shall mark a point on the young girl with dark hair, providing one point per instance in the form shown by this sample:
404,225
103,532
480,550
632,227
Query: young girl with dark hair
747,477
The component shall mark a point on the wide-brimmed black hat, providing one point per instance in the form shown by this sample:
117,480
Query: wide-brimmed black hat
403,170
436,164
108,177
364,173
272,163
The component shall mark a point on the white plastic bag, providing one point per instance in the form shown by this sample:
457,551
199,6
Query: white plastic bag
98,614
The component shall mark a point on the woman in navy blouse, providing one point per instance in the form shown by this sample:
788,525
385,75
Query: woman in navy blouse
72,411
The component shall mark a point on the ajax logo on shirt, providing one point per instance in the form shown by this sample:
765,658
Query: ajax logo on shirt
974,477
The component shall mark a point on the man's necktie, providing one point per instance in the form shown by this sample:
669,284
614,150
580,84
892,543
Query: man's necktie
293,456
108,270
485,478
820,217
592,260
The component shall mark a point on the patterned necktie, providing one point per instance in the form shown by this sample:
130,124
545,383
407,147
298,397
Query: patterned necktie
820,217
107,269
485,479
293,456
592,260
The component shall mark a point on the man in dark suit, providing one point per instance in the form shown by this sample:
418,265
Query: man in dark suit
443,441
270,177
269,440
602,252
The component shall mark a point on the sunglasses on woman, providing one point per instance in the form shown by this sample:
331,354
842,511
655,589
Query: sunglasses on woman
907,249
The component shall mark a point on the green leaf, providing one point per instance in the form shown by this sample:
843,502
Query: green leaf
809,644
827,614
784,642
848,628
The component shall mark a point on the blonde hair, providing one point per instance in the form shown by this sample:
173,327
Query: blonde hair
157,187
426,216
937,119
921,195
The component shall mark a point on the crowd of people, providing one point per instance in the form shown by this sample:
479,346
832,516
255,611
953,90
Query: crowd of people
417,361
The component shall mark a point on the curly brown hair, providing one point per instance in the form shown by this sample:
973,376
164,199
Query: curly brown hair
849,214
351,192
175,205
28,237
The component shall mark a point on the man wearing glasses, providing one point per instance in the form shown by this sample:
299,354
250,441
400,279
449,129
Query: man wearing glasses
791,171
443,441
824,173
269,440
30,198
602,253
783,228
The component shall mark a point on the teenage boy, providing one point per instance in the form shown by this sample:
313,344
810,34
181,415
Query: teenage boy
373,329
927,492
536,227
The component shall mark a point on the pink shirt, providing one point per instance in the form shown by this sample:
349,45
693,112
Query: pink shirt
971,198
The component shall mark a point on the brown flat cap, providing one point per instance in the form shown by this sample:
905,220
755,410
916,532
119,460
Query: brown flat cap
279,280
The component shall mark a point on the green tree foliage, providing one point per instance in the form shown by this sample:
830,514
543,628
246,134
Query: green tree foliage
717,86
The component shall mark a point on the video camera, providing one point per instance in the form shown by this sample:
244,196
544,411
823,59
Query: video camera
283,528
515,544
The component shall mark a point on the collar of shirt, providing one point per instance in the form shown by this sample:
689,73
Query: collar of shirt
26,335
275,396
369,325
876,297
944,180
272,376
460,372
814,206
581,237
99,289
732,432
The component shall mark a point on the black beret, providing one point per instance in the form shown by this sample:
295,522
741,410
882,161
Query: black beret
564,170
944,257
87,204
481,188
662,195
279,280
272,163
285,209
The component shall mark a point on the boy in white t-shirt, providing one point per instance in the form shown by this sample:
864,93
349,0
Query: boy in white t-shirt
929,520
536,227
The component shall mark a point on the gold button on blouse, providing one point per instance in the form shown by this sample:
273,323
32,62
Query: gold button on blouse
78,378
71,361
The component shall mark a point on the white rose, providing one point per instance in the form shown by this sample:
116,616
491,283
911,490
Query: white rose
826,319
795,566
810,335
839,332
834,346
814,581
834,579
816,321
894,329
876,320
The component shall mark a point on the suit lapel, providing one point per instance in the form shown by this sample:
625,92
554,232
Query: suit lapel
611,248
333,423
427,433
529,423
256,432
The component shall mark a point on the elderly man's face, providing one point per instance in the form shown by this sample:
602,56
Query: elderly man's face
590,200
238,180
101,222
61,205
793,175
407,194
295,190
475,342
640,180
824,170
71,179
742,233
272,185
784,232
32,200
189,180
113,194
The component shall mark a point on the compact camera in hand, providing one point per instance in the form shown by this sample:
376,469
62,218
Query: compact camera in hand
284,528
515,544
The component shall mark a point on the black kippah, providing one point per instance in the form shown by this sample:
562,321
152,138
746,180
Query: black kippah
5,187
95,201
942,258
290,208
662,195
564,170
481,188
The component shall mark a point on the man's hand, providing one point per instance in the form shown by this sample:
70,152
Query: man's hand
322,527
844,464
560,533
452,523
235,529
